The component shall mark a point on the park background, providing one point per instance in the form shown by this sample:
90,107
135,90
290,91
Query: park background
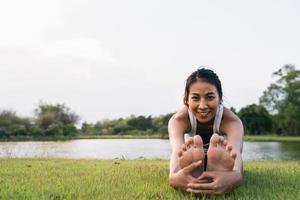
117,69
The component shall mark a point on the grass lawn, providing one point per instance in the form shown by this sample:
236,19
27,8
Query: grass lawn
138,179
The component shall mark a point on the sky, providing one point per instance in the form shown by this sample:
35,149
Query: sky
111,59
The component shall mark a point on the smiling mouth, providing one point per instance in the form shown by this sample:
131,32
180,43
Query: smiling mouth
203,114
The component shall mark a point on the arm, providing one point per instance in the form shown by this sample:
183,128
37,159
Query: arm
178,125
234,129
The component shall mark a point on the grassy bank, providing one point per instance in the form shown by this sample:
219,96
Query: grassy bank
87,179
271,138
62,138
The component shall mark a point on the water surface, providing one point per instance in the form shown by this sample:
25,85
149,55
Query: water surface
133,149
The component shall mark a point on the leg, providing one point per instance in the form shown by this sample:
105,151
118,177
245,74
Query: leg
219,157
192,151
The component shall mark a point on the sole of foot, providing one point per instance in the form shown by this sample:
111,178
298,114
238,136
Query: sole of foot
219,156
192,151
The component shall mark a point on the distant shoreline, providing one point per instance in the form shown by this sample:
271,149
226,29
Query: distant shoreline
256,138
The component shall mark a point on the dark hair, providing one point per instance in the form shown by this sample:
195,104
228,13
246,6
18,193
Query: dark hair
202,74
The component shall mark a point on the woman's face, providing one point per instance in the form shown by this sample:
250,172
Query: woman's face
203,101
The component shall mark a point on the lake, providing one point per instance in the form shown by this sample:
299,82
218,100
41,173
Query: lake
133,149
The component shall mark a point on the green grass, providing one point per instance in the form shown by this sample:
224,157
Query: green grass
118,179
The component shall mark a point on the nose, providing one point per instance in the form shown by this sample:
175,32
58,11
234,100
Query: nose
202,104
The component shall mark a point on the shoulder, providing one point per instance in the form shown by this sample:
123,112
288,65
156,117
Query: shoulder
182,114
229,118
181,117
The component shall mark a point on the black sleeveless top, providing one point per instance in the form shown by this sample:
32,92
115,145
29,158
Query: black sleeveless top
205,133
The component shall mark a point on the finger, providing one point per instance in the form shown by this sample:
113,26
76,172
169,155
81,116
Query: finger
192,191
207,175
225,143
192,166
203,186
203,180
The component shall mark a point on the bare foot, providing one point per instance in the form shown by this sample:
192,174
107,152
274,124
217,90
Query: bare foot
219,157
192,151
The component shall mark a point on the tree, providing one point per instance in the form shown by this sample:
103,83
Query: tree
48,114
12,124
161,124
141,123
87,128
256,119
282,98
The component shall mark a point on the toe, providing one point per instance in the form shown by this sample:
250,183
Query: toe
214,140
198,141
179,153
228,148
189,142
233,155
225,143
221,140
183,147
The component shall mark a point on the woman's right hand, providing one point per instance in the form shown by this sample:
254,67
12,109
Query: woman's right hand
183,177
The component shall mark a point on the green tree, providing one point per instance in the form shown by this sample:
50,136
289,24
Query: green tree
161,124
87,128
282,98
49,114
256,119
12,124
141,122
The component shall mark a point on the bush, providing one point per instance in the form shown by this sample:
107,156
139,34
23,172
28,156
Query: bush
69,130
55,130
3,133
36,131
17,129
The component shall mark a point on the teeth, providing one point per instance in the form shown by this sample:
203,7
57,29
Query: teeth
203,114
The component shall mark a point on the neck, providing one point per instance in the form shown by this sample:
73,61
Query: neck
208,124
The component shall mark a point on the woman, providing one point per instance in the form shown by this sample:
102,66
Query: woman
206,164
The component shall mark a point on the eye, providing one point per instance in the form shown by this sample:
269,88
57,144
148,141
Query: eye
210,97
194,98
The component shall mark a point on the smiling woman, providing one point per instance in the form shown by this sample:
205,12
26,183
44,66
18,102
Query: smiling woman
206,163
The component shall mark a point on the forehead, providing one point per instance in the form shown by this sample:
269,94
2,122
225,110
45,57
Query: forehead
203,87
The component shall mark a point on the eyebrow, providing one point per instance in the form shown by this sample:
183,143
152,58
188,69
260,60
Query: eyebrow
209,93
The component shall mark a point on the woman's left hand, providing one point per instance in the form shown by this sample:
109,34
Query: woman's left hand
215,182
